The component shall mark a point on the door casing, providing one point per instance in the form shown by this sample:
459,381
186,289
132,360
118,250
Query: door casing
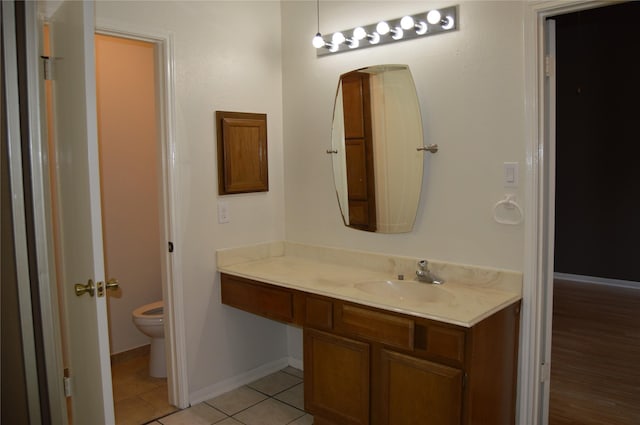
172,293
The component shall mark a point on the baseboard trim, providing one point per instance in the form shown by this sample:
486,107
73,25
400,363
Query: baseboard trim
237,381
297,363
597,280
133,353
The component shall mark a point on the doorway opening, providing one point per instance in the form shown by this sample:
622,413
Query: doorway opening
535,348
129,140
596,283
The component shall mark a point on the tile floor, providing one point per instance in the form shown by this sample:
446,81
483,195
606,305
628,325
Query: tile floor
138,398
276,399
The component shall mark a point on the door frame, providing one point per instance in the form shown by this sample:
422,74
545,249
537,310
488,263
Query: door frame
535,343
172,289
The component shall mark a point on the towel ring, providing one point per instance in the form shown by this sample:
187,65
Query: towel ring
509,203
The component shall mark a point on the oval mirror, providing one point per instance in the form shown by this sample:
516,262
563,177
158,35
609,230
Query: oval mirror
377,128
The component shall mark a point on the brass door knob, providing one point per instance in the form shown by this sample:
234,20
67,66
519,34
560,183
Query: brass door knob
81,289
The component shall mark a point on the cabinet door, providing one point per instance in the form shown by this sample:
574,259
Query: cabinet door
415,391
336,378
358,141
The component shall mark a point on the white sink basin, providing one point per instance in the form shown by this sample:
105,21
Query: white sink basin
406,291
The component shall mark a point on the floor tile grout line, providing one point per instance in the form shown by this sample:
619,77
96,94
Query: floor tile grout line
274,394
288,404
295,419
262,401
239,411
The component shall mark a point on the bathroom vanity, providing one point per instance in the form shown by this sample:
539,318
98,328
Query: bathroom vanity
381,350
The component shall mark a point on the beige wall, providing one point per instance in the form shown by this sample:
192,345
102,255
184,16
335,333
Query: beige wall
128,141
470,86
227,57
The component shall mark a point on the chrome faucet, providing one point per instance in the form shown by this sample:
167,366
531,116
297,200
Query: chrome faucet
423,274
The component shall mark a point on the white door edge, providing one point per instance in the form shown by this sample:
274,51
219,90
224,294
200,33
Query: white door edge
532,400
95,203
172,290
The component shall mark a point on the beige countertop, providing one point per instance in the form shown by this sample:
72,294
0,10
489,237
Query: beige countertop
468,295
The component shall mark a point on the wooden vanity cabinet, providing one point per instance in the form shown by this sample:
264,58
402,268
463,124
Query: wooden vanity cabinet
365,365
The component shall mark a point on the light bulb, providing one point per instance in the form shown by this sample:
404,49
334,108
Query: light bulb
353,43
447,23
421,28
382,28
397,33
359,33
333,47
374,38
407,23
433,17
318,41
337,38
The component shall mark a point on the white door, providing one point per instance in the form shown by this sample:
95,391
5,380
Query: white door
78,187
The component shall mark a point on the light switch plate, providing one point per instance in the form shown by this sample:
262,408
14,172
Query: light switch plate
223,212
510,174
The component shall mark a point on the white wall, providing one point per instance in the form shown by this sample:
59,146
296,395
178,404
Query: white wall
470,85
127,133
227,57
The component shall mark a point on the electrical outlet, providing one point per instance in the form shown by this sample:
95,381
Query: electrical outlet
223,212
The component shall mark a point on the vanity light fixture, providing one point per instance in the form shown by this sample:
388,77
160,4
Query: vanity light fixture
359,33
337,38
318,41
408,27
382,28
407,23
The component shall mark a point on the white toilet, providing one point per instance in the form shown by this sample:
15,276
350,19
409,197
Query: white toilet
149,319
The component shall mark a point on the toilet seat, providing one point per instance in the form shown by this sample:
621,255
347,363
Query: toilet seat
150,311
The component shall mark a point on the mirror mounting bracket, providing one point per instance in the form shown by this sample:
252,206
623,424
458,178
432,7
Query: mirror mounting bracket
433,148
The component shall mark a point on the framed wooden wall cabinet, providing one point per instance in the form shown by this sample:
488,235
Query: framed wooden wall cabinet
242,152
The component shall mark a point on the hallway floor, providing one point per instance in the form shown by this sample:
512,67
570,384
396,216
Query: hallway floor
595,377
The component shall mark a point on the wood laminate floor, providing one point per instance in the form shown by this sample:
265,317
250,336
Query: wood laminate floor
595,358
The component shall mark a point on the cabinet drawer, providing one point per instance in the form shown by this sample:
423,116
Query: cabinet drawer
319,313
381,327
264,300
440,341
